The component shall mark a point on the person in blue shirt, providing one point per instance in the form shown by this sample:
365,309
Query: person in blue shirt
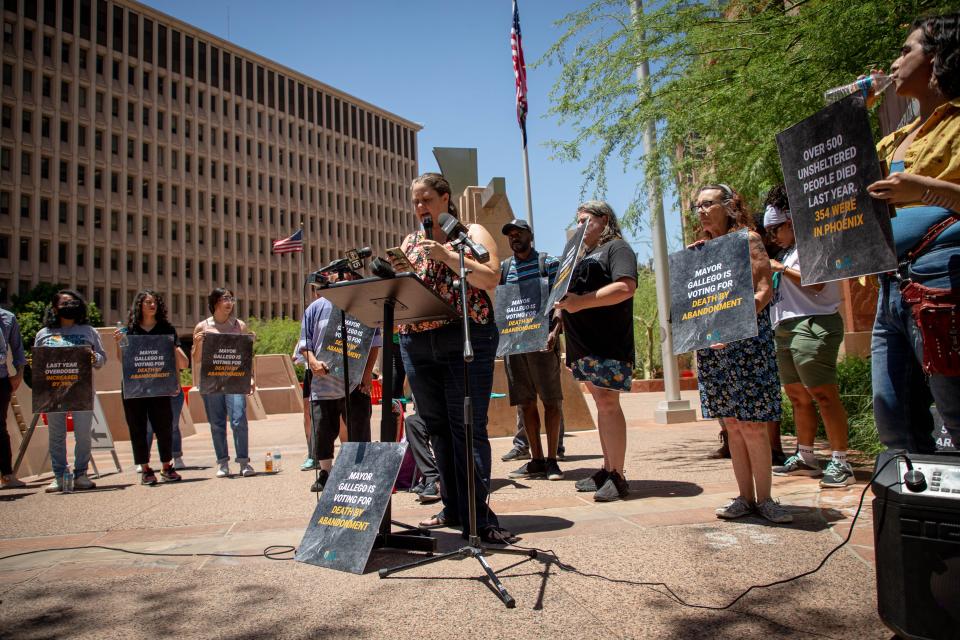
10,343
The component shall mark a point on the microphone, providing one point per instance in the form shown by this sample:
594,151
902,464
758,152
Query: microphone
427,225
454,230
353,261
381,268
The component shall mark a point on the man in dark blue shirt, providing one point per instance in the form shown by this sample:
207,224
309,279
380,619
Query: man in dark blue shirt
530,375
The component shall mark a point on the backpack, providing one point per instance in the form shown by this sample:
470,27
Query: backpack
507,262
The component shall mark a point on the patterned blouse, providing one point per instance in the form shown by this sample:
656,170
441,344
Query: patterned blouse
440,278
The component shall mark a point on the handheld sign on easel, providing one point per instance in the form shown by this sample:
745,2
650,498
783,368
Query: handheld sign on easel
62,379
359,340
226,363
828,160
149,367
572,252
347,519
711,293
518,311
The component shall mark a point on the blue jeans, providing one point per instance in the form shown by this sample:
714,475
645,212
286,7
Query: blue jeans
219,406
176,407
434,363
902,392
57,430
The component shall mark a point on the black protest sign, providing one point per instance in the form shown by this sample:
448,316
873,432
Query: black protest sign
359,340
711,293
519,317
62,379
828,160
149,367
347,519
226,363
572,252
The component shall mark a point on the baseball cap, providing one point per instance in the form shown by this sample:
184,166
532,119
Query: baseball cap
516,224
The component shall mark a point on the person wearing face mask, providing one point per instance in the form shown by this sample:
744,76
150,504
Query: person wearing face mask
598,322
433,358
914,365
66,325
219,406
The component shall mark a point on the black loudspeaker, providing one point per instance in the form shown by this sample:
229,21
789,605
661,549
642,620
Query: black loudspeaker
916,528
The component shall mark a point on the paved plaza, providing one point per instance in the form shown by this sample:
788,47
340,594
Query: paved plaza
607,558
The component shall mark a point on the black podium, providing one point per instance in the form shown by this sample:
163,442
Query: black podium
382,302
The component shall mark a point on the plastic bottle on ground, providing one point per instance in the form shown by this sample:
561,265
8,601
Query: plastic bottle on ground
66,480
277,462
268,462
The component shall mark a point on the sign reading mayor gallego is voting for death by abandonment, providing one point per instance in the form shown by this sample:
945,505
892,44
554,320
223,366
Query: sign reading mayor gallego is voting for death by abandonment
359,339
345,523
711,293
226,363
828,160
519,315
149,367
62,379
572,252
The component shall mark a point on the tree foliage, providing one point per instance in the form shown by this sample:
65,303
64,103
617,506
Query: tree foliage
726,76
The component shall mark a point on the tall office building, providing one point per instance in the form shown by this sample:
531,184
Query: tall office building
137,151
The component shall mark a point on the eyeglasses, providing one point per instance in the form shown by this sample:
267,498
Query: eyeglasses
228,299
706,204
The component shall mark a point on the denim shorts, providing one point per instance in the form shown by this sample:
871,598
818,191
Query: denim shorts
605,373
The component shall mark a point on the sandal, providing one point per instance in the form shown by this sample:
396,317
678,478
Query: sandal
438,521
497,535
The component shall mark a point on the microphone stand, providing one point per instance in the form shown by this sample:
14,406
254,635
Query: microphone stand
474,547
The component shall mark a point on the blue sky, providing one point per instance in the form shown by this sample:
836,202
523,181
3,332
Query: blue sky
443,64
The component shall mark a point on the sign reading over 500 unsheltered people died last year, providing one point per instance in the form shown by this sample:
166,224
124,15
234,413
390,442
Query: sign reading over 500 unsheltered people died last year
572,252
62,379
226,363
149,367
711,293
359,339
345,523
519,314
828,160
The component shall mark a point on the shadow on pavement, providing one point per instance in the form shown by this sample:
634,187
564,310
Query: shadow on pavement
662,489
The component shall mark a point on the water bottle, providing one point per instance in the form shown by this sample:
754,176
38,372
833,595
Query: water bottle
123,330
872,85
268,462
66,480
277,462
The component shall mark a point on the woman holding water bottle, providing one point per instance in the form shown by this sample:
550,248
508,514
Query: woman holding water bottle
148,317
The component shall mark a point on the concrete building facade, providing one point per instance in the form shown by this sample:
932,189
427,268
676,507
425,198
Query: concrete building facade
137,151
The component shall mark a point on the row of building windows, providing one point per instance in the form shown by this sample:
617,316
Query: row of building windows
221,70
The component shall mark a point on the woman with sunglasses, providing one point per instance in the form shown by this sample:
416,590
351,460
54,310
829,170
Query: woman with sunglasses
738,381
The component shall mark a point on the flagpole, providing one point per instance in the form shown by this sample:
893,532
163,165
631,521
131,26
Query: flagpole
520,76
526,179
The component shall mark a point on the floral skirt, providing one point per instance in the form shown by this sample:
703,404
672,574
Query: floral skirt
741,381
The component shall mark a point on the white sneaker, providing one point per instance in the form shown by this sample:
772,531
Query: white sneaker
139,468
178,463
246,470
83,483
772,511
224,470
54,486
737,508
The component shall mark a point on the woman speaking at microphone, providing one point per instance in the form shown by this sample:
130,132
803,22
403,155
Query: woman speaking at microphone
432,354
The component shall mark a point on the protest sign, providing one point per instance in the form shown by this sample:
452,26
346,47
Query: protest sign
572,252
226,363
149,367
828,161
518,311
359,340
711,293
62,379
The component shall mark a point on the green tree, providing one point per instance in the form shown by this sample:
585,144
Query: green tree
646,326
726,76
31,307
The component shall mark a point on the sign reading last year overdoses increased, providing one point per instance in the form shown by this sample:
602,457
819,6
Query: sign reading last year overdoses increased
359,340
226,363
347,519
62,379
519,315
149,367
711,293
828,160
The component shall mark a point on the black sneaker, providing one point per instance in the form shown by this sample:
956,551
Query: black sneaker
592,483
430,493
536,468
321,481
615,488
517,453
561,456
553,469
417,488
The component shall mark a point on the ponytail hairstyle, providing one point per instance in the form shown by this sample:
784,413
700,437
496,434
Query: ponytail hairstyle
737,215
941,40
600,208
438,183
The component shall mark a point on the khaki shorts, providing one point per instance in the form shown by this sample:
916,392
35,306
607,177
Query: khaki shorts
534,374
807,349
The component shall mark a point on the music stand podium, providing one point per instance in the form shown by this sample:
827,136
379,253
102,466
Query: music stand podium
382,302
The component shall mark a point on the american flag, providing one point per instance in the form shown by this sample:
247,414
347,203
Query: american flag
519,72
293,244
